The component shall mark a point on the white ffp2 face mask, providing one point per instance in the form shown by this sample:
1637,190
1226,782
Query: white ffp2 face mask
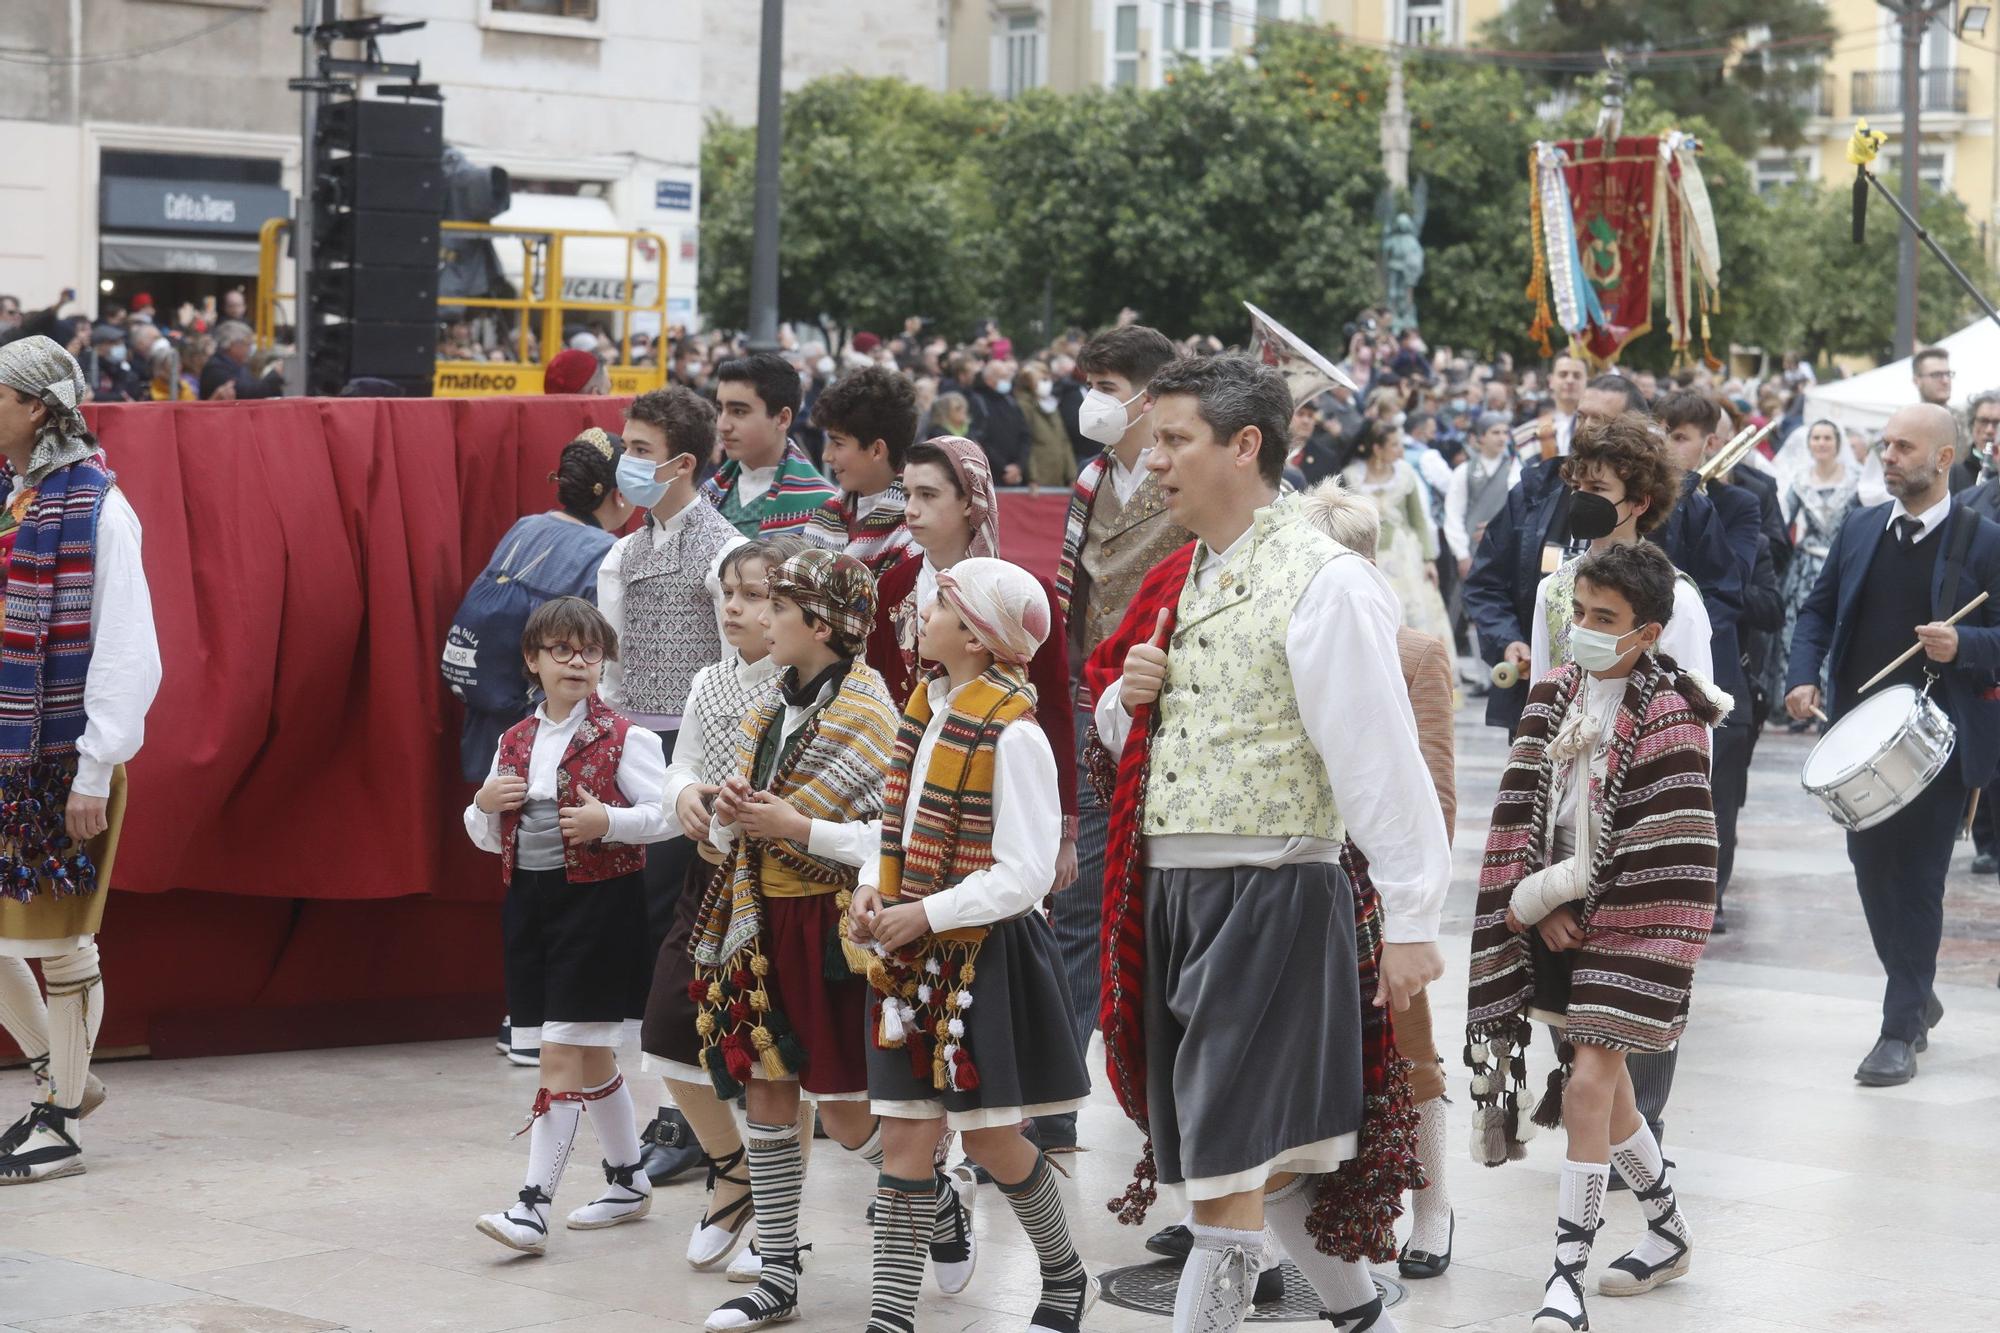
1102,418
1594,650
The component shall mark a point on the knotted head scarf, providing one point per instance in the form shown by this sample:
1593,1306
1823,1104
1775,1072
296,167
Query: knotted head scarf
44,370
1001,603
974,476
834,587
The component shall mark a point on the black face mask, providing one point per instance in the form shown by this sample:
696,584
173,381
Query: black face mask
1591,516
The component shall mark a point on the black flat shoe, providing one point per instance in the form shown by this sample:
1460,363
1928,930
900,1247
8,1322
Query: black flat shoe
1933,1011
1891,1064
1986,864
1720,926
1175,1242
1420,1264
668,1148
1270,1287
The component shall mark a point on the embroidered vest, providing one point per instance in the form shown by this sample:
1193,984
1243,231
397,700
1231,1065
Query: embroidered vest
1121,544
670,631
1558,616
589,768
1230,752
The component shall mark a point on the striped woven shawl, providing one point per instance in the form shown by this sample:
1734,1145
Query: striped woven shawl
879,541
795,492
1651,898
1081,497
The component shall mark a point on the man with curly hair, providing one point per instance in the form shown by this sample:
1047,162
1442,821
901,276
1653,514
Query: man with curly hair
870,420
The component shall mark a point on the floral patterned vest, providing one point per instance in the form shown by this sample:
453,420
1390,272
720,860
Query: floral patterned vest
589,768
1230,752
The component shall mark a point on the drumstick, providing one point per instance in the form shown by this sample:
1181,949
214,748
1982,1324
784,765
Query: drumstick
1911,651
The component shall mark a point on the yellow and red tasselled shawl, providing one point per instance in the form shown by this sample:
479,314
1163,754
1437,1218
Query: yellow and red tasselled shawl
831,770
930,844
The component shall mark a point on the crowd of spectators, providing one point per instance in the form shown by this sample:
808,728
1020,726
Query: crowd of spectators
140,352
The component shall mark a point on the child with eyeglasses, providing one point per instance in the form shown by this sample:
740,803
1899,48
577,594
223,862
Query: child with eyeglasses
573,793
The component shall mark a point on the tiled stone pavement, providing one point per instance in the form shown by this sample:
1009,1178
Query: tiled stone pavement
336,1190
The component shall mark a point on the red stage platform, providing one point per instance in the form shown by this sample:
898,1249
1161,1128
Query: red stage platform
293,871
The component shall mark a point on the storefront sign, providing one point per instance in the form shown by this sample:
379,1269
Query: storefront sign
228,208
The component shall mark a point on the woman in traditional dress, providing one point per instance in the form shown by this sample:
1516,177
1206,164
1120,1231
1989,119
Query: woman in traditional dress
1817,499
1407,555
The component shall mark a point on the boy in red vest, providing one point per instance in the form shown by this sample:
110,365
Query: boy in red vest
573,793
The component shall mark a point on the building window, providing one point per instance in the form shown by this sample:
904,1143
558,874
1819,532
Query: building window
1125,47
1779,171
1424,22
1931,172
1269,9
1020,55
549,18
1197,30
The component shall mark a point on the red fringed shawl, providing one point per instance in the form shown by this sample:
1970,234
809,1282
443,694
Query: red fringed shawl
1354,1213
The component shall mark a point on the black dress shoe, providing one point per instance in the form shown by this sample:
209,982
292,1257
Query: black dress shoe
668,1148
1175,1242
1933,1011
1720,925
1270,1286
1986,863
1890,1064
1418,1264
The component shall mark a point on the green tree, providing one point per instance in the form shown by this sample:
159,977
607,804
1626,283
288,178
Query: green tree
882,213
1746,99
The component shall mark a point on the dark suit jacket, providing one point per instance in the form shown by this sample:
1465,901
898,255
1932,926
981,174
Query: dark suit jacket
1965,685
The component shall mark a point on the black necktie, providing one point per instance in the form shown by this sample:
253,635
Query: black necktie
1907,529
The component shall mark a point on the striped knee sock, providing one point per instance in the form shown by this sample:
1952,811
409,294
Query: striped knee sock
870,1150
1040,1210
776,1175
902,1210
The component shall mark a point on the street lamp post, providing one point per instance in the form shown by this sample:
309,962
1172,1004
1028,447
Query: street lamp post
1914,16
764,207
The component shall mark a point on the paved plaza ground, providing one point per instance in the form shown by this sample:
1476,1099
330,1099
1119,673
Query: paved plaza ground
329,1190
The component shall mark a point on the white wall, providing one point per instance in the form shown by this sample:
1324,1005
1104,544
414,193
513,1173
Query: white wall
885,38
45,244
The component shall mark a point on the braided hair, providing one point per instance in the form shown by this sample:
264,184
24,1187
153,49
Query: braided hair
587,473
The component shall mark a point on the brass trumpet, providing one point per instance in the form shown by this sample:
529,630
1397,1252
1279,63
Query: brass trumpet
1732,453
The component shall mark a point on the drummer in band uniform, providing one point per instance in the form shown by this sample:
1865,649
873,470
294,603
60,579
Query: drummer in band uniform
1895,573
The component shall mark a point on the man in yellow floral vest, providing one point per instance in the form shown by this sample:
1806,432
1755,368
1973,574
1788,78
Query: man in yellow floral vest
1262,723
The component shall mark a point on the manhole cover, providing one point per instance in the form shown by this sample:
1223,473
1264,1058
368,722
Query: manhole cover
1150,1288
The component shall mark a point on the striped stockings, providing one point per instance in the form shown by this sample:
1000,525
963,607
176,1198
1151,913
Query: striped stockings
1040,1210
902,1209
776,1176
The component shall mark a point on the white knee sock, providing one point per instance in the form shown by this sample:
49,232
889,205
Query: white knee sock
1219,1279
549,1140
22,1012
611,1120
1430,1207
76,1010
1579,1207
1638,1160
1344,1286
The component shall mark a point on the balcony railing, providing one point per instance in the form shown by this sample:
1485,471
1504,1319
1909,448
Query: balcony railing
1880,92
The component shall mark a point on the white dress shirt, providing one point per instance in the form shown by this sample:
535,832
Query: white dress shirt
927,587
1928,521
1457,495
684,769
850,842
1027,825
1347,674
642,773
124,671
611,585
752,482
1125,481
1688,638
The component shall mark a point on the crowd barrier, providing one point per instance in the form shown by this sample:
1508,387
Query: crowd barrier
293,871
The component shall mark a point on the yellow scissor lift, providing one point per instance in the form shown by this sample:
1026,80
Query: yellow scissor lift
540,304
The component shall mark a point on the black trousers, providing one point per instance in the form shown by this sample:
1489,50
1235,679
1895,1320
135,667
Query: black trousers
1729,782
1899,869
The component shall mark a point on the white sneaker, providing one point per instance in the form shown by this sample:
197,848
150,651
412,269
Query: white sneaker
747,1266
524,1226
627,1197
952,1263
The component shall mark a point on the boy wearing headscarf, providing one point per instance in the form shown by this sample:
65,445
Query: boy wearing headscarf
79,666
779,1012
969,829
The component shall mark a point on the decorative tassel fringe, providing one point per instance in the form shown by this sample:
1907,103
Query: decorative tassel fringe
1355,1210
1549,1113
726,1088
1489,1135
1143,1191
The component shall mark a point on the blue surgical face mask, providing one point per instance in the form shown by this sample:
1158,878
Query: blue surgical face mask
638,481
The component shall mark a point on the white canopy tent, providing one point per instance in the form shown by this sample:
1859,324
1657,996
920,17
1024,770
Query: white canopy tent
1866,401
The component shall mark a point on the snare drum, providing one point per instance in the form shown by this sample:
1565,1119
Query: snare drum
1879,757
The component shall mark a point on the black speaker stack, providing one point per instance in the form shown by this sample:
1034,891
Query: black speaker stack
377,199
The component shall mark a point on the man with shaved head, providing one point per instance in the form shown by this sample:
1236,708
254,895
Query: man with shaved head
1895,574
